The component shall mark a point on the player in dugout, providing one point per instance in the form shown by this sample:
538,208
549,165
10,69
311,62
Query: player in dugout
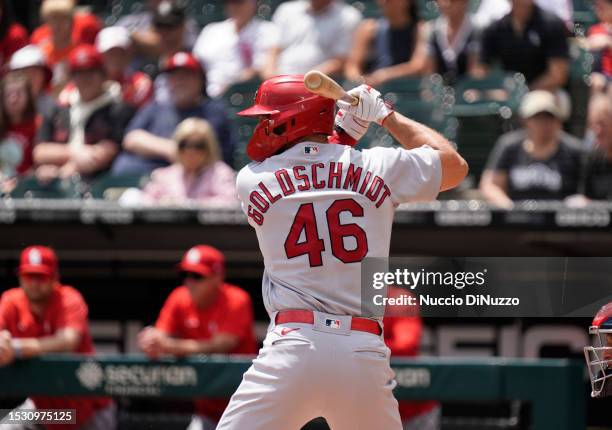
44,316
205,315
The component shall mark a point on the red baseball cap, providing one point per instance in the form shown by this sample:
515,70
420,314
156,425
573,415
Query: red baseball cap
203,260
85,57
183,60
38,260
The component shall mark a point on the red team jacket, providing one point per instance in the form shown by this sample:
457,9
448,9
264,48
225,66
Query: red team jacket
66,309
231,313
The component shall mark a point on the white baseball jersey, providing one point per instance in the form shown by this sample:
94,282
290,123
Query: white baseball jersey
319,209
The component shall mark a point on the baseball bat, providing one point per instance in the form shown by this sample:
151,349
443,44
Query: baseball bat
319,83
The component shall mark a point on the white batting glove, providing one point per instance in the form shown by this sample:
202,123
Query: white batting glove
353,126
371,106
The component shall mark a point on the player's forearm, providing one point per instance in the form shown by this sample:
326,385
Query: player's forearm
180,347
218,345
411,134
34,347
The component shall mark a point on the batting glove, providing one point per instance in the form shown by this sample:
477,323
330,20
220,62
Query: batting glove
353,126
371,106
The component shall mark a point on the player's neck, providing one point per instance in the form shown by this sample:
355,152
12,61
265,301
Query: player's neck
317,138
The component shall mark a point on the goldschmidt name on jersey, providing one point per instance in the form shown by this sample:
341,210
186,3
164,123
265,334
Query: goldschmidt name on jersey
317,176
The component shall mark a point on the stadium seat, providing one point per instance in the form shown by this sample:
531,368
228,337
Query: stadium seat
110,187
243,129
498,93
430,89
476,137
368,8
484,109
30,188
581,66
584,15
205,12
241,95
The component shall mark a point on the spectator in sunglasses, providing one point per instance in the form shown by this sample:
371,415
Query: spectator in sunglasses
205,315
199,175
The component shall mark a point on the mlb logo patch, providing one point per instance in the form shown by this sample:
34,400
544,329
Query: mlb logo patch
332,323
311,150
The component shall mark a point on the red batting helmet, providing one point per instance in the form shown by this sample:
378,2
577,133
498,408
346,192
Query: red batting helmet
291,112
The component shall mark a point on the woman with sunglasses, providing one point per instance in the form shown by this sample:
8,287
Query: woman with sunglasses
198,175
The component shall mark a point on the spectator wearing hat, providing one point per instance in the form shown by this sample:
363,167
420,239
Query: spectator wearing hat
116,48
12,35
144,34
528,40
169,24
30,61
538,162
83,136
198,175
205,315
43,316
236,49
148,145
18,122
315,34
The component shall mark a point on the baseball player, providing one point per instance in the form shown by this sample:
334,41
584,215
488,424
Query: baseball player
319,207
43,316
205,315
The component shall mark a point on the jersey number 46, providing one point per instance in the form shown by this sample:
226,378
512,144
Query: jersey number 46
313,245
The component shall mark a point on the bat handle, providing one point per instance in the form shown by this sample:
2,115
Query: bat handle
352,100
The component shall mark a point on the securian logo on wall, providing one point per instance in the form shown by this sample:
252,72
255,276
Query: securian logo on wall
134,379
90,374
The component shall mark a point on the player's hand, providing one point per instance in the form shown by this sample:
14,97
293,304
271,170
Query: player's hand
7,354
353,126
150,341
371,106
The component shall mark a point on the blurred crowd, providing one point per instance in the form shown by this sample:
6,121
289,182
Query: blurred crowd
146,97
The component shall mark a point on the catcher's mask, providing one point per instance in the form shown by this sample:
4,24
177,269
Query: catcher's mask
287,111
599,356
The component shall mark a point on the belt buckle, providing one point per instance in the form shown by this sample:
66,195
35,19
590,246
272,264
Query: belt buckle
335,324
